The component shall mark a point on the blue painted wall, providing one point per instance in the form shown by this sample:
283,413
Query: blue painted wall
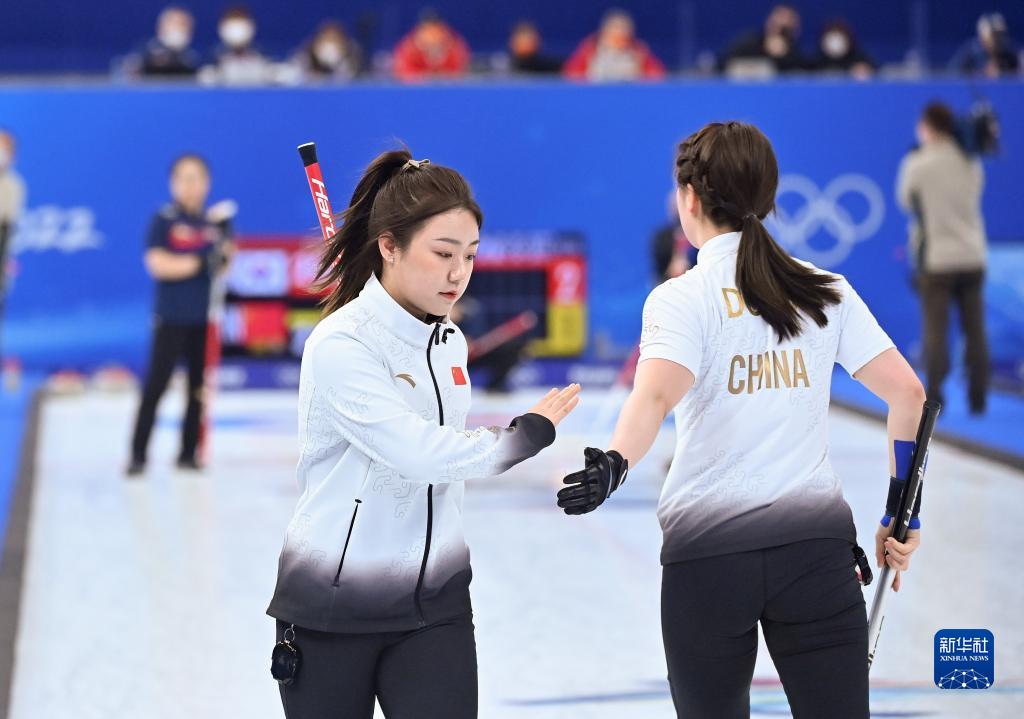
549,156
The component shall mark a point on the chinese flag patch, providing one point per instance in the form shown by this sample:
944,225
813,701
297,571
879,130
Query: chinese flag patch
458,375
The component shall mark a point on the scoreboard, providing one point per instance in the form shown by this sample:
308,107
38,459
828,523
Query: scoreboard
544,272
270,308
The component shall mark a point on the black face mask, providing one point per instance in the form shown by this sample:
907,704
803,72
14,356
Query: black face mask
286,658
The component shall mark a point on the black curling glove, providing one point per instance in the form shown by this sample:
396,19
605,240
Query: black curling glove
587,489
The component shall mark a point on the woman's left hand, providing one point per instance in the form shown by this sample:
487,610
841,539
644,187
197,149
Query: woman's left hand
895,554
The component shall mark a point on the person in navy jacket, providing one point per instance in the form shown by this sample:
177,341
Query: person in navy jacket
185,247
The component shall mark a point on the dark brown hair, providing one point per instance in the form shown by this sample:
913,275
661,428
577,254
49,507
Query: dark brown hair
939,117
393,197
732,168
236,12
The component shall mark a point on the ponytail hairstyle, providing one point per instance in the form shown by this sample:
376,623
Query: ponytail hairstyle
394,197
732,168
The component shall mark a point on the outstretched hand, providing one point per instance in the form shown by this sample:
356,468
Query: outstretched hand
557,404
587,489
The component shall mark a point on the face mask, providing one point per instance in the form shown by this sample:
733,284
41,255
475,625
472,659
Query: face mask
175,38
236,33
776,45
328,53
835,44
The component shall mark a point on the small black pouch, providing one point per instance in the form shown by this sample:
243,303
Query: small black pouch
863,565
286,658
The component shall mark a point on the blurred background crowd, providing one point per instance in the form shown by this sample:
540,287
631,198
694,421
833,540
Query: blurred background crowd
243,46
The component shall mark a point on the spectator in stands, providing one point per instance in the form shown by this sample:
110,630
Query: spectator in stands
239,62
524,46
940,186
170,54
432,49
992,53
330,55
773,50
613,53
839,52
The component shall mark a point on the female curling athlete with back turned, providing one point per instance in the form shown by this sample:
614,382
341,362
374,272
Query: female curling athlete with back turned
755,528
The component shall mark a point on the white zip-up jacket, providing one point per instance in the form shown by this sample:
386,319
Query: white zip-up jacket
376,541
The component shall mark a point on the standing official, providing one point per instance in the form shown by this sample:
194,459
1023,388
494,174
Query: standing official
185,249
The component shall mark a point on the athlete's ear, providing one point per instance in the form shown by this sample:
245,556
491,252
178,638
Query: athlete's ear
691,202
388,246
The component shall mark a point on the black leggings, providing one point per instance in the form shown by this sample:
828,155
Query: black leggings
811,609
427,673
171,343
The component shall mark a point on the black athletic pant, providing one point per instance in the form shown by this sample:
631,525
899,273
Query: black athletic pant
171,343
811,609
427,673
938,291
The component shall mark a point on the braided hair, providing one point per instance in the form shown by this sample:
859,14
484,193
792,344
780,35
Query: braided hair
733,171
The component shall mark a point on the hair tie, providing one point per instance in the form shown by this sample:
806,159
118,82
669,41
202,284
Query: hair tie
751,216
414,165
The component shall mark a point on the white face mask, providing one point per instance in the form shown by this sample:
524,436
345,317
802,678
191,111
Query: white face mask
835,44
175,38
236,32
328,53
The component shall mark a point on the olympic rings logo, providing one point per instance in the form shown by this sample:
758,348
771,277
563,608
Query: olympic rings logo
824,210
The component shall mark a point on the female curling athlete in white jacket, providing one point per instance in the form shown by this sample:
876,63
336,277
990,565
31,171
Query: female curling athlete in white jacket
373,579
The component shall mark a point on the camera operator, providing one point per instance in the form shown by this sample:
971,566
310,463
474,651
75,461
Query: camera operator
940,185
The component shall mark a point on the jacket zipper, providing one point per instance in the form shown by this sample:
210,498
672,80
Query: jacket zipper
437,390
426,554
348,537
430,488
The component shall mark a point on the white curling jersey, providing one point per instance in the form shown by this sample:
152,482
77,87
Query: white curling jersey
751,466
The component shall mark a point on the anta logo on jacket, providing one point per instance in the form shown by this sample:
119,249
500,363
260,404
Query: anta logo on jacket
376,541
